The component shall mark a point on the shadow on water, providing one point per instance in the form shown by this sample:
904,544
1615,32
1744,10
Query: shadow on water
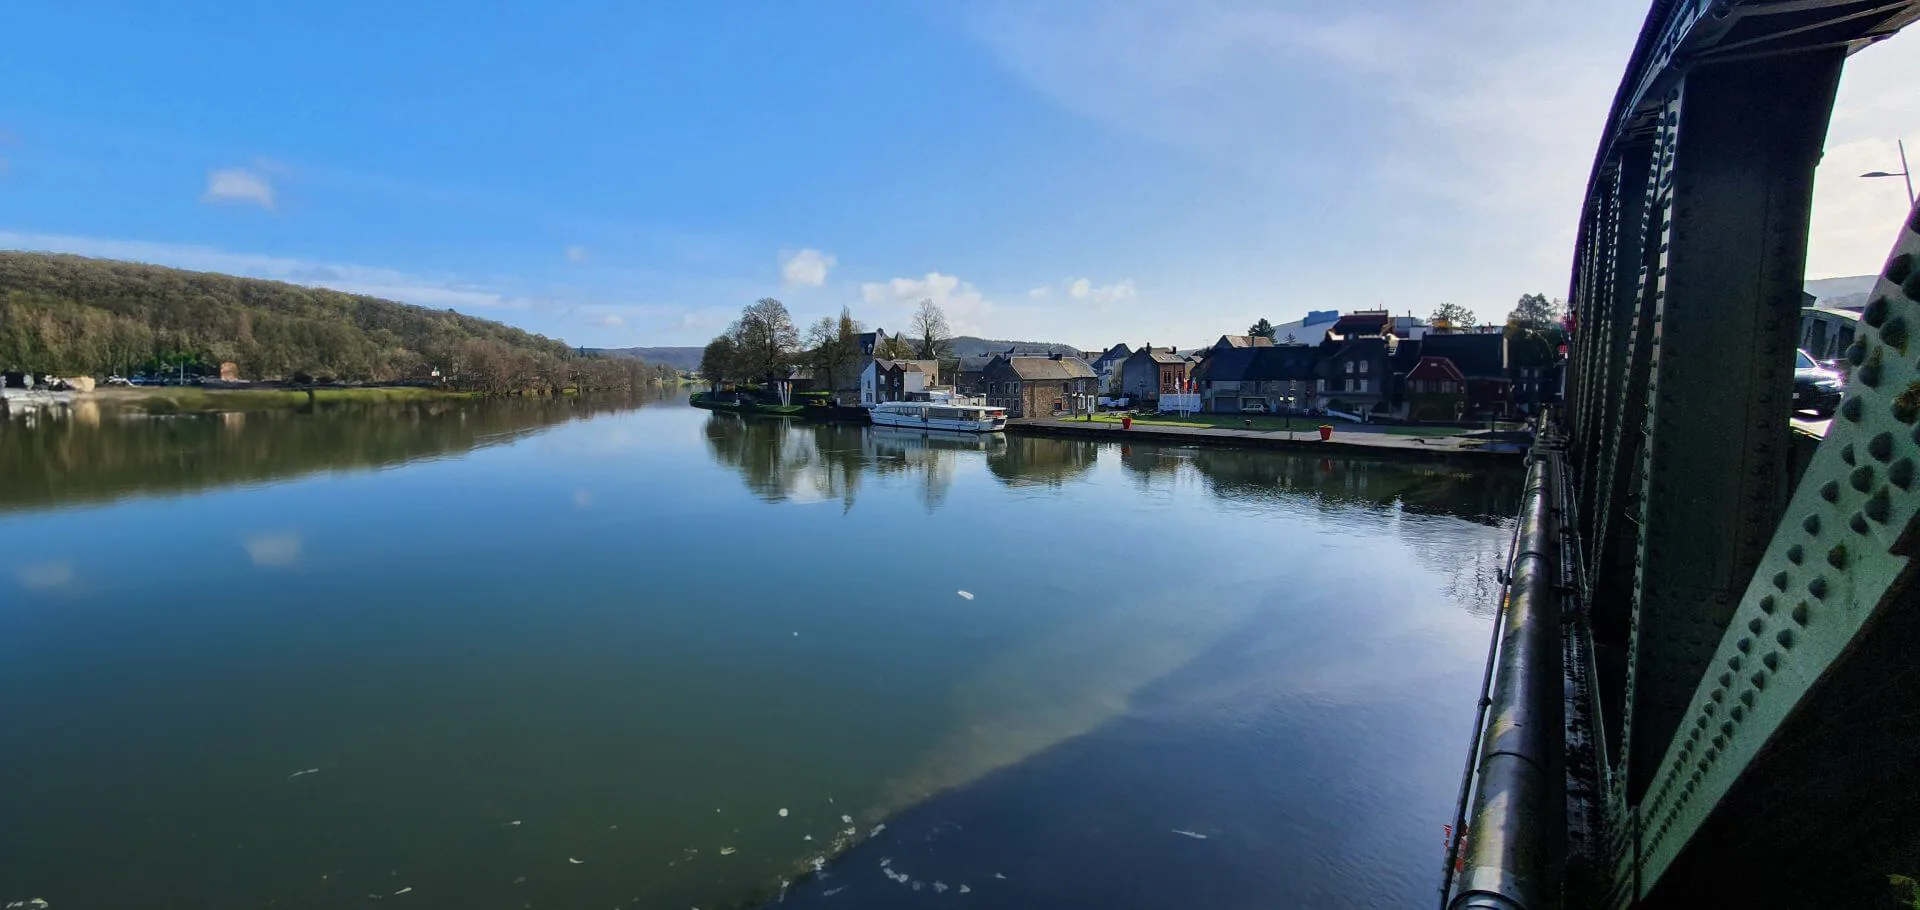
1265,771
89,454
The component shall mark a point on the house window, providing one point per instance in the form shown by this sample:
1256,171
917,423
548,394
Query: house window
1349,366
1364,364
1320,385
1363,385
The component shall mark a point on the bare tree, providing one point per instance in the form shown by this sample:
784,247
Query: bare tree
833,346
931,337
764,339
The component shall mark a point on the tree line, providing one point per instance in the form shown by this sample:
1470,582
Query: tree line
764,343
70,316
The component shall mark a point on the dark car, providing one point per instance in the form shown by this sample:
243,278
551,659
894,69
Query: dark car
1815,388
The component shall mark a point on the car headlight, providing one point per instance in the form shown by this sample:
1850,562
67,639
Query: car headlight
1831,384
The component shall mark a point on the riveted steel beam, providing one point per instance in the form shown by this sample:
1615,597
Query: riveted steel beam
1791,782
1715,464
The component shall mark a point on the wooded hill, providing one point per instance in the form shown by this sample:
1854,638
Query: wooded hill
71,315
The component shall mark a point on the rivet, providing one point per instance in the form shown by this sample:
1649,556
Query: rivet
1906,405
1796,554
1868,374
1738,713
1857,523
1760,680
1766,602
1900,267
1830,492
1746,698
1772,660
1733,663
1837,557
1719,742
1726,728
1800,613
1857,353
1894,334
1900,474
1911,288
1708,709
1700,721
1756,625
1878,506
1716,695
1710,755
1880,446
1780,580
1818,587
1861,478
1745,645
1785,638
1726,679
1850,409
1846,454
1875,312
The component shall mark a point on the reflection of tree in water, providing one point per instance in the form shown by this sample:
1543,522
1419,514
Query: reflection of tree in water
1042,461
1485,496
83,455
782,460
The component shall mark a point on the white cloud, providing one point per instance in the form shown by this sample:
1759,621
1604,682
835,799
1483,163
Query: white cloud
46,574
434,291
1040,293
238,185
807,268
968,311
1101,294
276,550
609,319
577,254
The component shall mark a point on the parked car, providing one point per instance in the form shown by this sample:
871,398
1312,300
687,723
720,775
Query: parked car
117,380
1256,407
1815,388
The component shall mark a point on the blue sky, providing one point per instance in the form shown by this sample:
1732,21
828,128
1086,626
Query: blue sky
1077,170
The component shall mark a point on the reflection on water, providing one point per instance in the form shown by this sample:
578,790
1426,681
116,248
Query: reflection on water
645,639
66,456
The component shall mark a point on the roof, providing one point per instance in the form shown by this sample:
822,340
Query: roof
1436,368
908,366
1161,355
1244,341
1477,356
1266,364
1031,368
1364,322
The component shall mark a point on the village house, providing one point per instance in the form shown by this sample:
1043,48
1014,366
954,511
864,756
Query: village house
1040,385
1151,372
1107,366
1481,359
1246,379
1436,390
1353,375
897,380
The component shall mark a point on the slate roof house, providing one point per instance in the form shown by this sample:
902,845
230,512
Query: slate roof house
1481,359
1040,385
897,380
1151,372
1236,379
1107,364
1436,390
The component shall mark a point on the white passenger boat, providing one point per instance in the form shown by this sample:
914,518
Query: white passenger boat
940,415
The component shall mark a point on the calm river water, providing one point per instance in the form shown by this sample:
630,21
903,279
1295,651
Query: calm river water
538,654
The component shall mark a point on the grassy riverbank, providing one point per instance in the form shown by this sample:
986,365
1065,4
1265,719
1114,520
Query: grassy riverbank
191,400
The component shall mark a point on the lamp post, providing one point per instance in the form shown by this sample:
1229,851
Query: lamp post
1904,172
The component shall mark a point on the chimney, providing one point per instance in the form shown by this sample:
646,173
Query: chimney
1056,355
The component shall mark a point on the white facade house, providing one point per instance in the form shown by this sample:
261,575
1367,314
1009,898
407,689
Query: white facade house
897,380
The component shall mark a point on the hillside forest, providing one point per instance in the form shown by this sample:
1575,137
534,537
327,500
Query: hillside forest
70,316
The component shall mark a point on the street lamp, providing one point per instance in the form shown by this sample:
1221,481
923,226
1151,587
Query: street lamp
1904,172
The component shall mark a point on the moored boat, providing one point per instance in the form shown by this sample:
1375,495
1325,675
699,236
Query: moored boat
939,415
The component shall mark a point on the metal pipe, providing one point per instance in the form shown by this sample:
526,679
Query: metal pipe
1517,817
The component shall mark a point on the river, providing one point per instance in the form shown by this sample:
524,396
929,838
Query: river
538,653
